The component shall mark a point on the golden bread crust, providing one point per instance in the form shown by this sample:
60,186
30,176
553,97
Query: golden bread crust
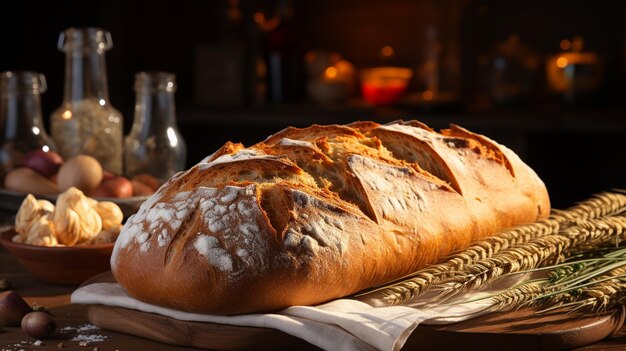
318,213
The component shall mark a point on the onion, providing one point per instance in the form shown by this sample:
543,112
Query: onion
12,308
38,325
44,163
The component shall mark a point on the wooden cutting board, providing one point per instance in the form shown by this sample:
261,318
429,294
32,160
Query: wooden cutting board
519,330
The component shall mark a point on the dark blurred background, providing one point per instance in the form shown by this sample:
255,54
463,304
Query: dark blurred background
546,78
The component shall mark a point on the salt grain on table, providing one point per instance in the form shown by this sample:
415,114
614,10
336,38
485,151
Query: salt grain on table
89,338
83,338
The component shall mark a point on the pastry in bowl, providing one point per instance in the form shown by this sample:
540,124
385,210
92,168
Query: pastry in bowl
65,243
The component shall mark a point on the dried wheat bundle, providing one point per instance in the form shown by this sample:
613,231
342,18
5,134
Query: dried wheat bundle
520,248
547,250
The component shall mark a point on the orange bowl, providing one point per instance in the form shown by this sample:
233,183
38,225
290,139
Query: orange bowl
384,85
65,265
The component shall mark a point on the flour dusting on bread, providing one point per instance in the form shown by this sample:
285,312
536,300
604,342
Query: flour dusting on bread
209,247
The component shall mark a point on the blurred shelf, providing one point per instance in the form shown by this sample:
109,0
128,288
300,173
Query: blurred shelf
528,120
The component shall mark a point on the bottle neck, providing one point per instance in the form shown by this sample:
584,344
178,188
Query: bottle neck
21,115
155,112
85,76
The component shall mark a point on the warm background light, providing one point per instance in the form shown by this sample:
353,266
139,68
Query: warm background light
578,43
330,72
561,62
427,95
387,51
259,17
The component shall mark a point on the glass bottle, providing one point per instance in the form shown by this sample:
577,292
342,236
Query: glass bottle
21,123
155,145
513,72
86,123
438,75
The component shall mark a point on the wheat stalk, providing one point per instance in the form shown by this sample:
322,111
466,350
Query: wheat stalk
597,296
607,290
605,295
596,284
600,205
520,296
593,233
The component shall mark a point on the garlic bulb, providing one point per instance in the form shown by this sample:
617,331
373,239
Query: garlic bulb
29,211
75,220
41,232
110,213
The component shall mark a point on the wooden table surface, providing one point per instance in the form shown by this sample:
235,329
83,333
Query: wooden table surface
71,318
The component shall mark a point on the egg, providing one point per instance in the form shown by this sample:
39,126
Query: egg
82,171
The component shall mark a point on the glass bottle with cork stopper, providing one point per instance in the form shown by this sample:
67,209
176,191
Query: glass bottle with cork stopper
155,146
86,123
21,123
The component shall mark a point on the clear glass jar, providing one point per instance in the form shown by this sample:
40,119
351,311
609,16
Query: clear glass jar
155,145
21,123
86,123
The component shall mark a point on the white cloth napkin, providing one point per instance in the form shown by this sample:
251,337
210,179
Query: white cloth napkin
337,325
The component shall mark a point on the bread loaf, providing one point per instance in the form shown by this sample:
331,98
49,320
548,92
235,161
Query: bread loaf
314,214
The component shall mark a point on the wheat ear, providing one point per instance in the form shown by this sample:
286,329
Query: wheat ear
547,250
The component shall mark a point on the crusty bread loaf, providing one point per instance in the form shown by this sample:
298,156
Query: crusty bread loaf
313,214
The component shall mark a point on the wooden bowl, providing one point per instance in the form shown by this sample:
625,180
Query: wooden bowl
65,265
